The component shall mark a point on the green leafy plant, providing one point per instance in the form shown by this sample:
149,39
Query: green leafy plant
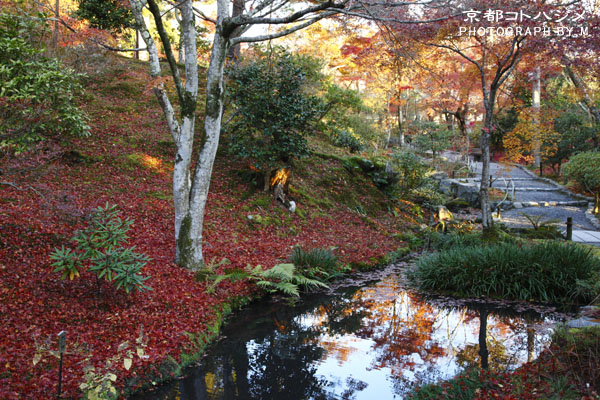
317,263
274,111
281,278
105,14
99,248
210,272
377,169
412,171
431,136
99,383
37,95
583,169
345,138
341,120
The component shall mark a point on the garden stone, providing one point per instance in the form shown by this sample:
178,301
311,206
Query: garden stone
468,192
446,186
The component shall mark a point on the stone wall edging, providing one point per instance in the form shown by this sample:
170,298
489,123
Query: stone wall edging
589,214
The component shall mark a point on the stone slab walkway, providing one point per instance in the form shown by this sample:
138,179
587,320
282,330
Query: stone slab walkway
590,237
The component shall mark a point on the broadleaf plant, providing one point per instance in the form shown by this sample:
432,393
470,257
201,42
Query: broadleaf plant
99,248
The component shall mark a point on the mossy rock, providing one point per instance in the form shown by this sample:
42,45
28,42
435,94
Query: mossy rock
455,204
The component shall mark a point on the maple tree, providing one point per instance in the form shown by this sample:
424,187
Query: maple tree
533,133
495,57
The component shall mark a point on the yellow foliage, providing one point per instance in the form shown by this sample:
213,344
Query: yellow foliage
534,129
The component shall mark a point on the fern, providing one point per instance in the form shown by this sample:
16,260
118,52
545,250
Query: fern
281,278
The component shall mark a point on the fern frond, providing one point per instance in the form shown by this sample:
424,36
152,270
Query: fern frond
287,288
284,272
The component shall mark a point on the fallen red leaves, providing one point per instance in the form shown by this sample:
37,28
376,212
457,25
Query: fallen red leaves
52,197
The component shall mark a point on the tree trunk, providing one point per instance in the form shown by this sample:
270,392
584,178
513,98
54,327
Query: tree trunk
530,343
234,51
267,180
401,125
484,197
181,45
55,32
189,240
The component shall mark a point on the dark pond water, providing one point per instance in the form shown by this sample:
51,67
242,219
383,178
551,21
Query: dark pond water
364,339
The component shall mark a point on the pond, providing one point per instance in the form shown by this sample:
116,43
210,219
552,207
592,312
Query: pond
367,338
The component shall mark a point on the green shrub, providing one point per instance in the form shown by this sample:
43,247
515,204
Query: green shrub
99,249
411,170
549,272
446,241
105,14
377,170
428,194
344,138
275,111
316,263
441,241
37,94
583,169
431,136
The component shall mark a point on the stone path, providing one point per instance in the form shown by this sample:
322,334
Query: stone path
536,197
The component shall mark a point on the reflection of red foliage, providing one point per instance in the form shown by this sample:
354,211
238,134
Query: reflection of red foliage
35,305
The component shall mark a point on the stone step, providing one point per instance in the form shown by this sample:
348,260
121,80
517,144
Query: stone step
523,204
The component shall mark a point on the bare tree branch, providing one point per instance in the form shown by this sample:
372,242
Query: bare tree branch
14,185
285,32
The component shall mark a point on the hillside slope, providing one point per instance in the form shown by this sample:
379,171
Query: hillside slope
128,161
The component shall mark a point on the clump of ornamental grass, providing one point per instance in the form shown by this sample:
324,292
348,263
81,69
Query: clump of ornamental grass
549,272
316,263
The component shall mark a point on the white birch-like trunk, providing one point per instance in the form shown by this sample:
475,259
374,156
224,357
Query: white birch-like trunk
189,242
189,195
190,190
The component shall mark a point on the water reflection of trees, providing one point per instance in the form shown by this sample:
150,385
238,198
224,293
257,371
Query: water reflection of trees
404,328
274,351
